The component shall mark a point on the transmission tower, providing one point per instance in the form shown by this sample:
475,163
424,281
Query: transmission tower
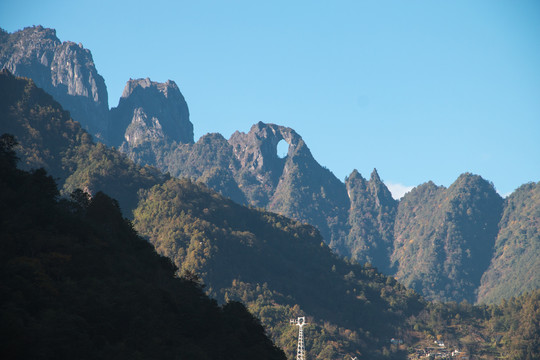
301,351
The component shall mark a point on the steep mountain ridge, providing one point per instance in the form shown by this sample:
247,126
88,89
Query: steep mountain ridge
64,69
260,169
371,218
445,237
247,169
295,186
515,265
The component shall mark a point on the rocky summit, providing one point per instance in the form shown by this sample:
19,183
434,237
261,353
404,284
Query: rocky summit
149,111
257,157
64,69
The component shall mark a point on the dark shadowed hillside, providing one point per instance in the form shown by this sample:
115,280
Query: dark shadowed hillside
78,282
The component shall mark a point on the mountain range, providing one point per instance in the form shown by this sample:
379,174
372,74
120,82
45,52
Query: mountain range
279,268
276,266
463,242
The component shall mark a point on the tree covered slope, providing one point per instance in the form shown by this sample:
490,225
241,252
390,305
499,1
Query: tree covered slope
78,282
515,266
445,237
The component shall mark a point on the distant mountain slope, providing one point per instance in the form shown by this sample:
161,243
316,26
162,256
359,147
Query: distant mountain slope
371,218
515,266
78,283
278,267
64,69
445,237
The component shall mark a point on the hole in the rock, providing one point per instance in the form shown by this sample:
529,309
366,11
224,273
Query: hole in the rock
282,149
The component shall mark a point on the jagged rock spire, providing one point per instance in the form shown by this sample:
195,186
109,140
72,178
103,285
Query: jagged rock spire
375,176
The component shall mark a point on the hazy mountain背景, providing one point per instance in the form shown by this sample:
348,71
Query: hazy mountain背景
440,247
278,267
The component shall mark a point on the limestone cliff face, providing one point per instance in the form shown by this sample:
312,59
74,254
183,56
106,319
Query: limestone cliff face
64,69
150,112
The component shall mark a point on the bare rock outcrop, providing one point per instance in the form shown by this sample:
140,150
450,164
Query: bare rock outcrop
150,112
65,70
260,166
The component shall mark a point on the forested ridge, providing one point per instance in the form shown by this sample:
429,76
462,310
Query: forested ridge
278,267
515,264
445,237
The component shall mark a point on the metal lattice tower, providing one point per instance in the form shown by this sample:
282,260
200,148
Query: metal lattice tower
301,351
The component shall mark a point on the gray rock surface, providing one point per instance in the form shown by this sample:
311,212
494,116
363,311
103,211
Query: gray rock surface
63,69
150,112
260,166
296,186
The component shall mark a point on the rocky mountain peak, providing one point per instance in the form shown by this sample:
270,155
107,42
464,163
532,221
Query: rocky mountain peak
150,111
471,180
257,150
64,69
165,88
375,176
380,191
354,176
355,182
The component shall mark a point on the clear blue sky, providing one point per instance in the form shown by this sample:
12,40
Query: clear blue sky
421,90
